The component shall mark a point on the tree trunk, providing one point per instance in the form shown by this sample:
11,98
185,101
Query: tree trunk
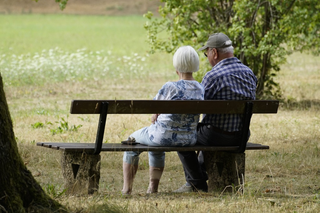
19,191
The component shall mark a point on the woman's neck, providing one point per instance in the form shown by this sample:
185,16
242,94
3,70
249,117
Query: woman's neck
185,76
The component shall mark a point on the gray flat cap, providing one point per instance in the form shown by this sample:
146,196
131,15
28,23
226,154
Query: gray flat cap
217,40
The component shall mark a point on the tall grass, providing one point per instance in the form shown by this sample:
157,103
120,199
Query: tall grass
48,60
56,65
37,49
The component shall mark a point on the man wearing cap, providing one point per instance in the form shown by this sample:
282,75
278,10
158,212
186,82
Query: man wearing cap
228,79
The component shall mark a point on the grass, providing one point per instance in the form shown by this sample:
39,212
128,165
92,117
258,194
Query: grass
51,47
24,34
41,80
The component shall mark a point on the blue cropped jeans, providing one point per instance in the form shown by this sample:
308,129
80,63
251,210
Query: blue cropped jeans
156,159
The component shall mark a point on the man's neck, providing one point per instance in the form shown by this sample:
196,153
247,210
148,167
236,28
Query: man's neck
223,56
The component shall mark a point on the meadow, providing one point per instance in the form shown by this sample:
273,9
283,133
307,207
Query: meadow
48,60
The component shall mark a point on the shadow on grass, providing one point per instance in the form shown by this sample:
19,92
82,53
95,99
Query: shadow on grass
301,105
106,207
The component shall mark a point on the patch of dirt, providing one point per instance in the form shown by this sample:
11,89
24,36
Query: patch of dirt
80,7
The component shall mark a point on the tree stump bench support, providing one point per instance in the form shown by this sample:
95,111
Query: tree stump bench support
81,172
225,165
225,171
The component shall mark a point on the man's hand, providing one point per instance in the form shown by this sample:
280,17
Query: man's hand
154,118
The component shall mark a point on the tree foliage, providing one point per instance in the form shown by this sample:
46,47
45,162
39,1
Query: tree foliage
62,3
263,32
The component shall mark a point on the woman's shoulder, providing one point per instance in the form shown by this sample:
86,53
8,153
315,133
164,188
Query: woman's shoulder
169,84
165,90
192,83
182,85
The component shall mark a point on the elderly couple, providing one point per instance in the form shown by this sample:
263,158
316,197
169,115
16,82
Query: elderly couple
229,79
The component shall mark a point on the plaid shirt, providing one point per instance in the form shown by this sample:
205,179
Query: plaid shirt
228,80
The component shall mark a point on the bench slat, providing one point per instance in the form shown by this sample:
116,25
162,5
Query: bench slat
89,147
171,107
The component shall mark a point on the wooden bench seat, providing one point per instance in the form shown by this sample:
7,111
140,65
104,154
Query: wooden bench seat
118,147
225,165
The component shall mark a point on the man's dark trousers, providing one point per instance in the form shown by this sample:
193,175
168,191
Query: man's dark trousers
193,164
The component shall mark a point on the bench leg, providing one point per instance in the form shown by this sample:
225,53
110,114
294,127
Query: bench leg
81,172
225,171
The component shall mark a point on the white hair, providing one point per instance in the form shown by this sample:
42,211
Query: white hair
226,49
186,60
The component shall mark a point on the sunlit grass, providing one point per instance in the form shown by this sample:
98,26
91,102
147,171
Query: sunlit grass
37,49
56,65
23,34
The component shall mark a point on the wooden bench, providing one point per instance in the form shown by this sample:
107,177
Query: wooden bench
225,165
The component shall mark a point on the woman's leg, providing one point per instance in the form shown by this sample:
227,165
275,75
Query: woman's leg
130,164
130,167
156,166
156,159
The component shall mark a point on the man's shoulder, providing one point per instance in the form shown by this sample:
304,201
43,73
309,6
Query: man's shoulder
229,68
219,69
232,64
233,61
230,60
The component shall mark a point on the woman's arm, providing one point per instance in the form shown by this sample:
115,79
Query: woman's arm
154,118
163,94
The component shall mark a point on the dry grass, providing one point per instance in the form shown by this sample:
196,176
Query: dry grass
285,178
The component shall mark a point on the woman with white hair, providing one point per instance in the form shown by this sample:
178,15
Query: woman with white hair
167,129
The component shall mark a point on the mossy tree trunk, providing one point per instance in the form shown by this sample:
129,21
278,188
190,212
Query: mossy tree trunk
19,191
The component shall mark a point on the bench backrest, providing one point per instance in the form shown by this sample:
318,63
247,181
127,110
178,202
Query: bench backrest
171,107
104,107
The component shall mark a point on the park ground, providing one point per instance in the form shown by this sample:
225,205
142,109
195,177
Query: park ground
48,60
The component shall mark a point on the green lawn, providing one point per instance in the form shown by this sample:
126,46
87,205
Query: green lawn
38,49
24,34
